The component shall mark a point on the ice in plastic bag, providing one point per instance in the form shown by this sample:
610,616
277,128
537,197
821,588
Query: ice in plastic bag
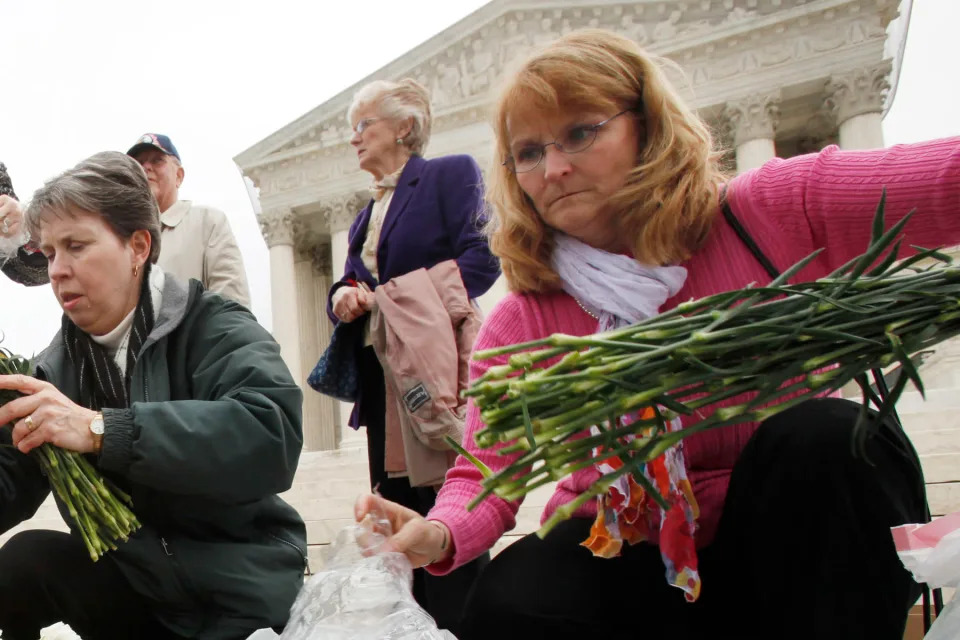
58,631
361,593
931,552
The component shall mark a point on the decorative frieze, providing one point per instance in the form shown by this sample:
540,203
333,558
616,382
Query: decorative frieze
711,40
858,91
716,43
753,117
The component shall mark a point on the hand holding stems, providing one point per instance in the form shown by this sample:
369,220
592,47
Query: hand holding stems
349,303
422,541
56,432
44,414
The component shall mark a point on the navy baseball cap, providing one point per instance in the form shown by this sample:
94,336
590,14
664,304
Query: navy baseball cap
155,140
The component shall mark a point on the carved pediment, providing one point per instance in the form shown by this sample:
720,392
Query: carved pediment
725,50
461,65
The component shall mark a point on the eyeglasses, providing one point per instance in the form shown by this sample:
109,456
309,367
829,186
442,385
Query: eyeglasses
576,139
364,124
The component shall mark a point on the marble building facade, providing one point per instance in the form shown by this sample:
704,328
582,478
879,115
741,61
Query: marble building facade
772,77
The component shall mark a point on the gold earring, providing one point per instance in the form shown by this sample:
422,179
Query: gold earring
136,270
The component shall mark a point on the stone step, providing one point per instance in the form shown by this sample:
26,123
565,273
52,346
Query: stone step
504,542
324,463
941,467
325,531
328,482
936,440
46,517
315,556
943,497
916,422
331,474
911,400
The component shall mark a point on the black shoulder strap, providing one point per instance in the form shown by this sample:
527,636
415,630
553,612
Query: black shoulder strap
747,240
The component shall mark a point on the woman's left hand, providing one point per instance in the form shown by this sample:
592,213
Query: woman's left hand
11,216
53,417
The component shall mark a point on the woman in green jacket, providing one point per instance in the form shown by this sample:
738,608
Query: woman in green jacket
180,398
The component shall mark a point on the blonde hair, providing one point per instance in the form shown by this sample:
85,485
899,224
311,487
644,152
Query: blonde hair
397,101
669,199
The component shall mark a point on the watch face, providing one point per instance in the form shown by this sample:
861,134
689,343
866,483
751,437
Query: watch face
96,426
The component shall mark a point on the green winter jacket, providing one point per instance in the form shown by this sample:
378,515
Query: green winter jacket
212,435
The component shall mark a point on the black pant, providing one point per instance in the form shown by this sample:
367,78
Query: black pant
443,597
47,577
803,551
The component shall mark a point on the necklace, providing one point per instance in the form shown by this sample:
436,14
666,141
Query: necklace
585,310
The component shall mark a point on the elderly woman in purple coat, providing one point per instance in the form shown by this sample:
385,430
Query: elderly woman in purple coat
423,212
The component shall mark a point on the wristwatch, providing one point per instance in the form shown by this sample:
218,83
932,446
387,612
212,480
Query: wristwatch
96,428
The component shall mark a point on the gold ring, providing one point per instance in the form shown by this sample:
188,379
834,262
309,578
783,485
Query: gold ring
29,422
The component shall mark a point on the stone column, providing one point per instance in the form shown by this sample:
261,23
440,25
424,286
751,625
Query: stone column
320,430
856,98
330,408
752,122
279,227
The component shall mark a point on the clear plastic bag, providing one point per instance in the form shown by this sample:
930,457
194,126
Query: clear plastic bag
931,552
361,593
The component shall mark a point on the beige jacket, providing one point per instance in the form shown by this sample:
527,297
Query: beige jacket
423,328
196,242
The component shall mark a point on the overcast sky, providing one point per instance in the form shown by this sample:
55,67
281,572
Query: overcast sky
218,76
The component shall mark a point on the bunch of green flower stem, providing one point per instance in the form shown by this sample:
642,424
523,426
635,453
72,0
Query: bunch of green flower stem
99,509
779,344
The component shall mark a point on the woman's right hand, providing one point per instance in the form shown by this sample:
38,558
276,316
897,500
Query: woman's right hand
349,303
422,541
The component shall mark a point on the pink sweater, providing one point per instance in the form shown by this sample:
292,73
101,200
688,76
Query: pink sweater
790,207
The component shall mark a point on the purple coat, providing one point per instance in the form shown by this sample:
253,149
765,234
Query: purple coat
436,214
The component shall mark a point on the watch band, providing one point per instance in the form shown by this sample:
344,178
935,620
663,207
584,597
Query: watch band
97,443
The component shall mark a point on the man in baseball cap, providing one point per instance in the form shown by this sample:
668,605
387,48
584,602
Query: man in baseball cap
196,241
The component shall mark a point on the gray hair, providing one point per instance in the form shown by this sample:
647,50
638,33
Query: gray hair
397,101
109,184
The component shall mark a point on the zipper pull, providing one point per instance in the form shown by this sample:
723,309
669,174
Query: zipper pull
166,549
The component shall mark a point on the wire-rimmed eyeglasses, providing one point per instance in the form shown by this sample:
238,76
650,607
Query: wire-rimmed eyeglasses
576,139
364,124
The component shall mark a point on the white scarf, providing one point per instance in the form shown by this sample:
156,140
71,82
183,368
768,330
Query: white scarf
615,288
